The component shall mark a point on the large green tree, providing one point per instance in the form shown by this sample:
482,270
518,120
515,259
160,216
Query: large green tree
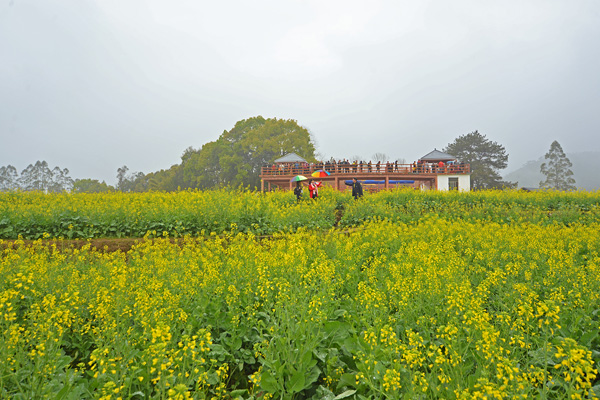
486,158
557,169
237,156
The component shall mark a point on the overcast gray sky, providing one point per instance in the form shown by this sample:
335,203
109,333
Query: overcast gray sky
94,85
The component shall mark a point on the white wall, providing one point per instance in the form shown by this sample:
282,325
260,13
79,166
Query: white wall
442,182
464,182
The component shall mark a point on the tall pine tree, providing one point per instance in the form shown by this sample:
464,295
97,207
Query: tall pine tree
557,170
484,156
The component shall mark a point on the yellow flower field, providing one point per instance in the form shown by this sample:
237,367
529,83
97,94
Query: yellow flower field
453,303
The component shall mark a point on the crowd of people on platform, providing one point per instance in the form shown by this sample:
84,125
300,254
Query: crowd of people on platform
345,166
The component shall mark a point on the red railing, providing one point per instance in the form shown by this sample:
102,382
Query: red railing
365,168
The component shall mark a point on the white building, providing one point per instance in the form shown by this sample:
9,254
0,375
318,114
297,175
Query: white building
450,174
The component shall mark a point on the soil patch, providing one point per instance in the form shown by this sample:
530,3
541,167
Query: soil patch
102,244
118,244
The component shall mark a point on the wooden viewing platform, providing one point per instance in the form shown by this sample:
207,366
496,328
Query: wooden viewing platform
417,175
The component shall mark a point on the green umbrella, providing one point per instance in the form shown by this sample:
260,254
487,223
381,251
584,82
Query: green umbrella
298,178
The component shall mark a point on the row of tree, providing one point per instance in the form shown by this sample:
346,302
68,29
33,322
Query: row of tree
237,156
234,159
36,176
39,177
487,158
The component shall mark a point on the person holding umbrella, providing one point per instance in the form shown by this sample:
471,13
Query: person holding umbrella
313,188
298,191
357,190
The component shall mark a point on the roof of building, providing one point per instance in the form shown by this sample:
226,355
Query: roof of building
437,155
290,157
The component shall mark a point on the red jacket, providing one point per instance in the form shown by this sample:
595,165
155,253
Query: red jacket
313,189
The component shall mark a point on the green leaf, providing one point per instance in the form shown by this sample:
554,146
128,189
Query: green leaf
305,363
268,382
247,356
61,395
236,344
312,375
296,382
588,338
351,345
238,394
324,393
347,380
347,393
320,354
213,378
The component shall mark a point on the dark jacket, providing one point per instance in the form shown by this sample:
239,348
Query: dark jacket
356,189
298,191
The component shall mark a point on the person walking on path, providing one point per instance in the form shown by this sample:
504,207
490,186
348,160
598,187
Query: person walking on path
313,188
357,190
298,191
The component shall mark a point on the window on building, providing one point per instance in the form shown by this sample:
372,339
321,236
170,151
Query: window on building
453,183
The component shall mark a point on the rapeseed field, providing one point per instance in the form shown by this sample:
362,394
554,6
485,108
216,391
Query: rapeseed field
489,295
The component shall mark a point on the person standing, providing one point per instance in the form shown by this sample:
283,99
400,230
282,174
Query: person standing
298,191
313,188
357,190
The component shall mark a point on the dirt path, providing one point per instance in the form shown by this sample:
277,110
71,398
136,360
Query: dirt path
118,244
103,244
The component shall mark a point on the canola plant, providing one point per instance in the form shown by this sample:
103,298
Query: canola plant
490,295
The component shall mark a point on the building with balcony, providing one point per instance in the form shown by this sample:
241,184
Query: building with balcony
434,171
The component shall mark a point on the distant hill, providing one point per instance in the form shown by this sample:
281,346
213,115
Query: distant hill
586,171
